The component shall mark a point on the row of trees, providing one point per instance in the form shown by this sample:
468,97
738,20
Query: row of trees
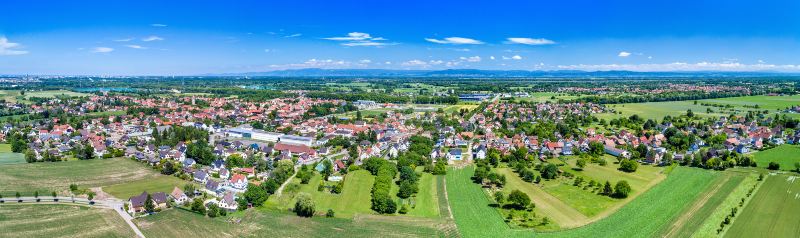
381,198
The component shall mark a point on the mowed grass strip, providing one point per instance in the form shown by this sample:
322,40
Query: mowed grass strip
772,211
785,155
470,206
710,225
426,201
52,220
693,217
162,183
46,177
259,223
355,197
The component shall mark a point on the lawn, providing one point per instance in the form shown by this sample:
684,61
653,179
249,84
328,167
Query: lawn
53,220
259,223
547,205
785,155
57,176
53,93
426,202
162,183
457,108
772,211
8,157
645,216
709,227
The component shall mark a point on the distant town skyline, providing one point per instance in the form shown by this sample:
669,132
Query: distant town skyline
199,37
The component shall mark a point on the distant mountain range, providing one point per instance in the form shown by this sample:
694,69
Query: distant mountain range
477,73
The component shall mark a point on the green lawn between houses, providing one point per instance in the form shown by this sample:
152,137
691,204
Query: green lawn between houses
785,155
157,184
52,220
772,211
47,177
645,216
270,223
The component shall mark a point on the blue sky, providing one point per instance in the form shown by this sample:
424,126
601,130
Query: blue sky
195,37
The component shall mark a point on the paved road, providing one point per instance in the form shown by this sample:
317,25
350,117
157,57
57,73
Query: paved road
113,204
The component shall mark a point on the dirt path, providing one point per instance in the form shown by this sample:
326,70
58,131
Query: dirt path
678,224
289,180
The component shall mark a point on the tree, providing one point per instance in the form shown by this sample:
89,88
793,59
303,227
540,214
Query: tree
91,196
30,156
304,206
168,168
607,190
581,163
628,165
213,210
622,189
149,206
256,195
88,151
327,169
773,166
550,171
329,213
499,197
519,199
407,188
197,206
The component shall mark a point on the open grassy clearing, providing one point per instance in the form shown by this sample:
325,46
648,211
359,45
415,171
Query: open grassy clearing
701,209
459,107
785,155
52,220
57,176
546,97
772,211
657,110
53,93
645,216
156,184
547,205
355,196
258,223
8,157
426,201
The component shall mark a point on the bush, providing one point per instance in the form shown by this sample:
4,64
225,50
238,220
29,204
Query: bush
519,199
773,166
622,189
304,206
329,213
628,165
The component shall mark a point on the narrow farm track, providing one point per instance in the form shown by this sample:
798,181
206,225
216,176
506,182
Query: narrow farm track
686,216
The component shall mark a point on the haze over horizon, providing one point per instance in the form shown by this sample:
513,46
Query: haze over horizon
152,38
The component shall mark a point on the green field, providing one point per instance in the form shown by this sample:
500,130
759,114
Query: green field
156,184
709,227
356,196
556,210
772,211
8,157
657,110
645,216
694,216
785,155
57,176
258,223
51,220
53,93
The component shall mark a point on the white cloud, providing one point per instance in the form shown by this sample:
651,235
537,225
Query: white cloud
158,25
364,61
455,41
102,49
293,35
683,66
491,57
516,57
10,48
529,41
124,40
136,47
472,59
624,54
415,63
360,39
152,38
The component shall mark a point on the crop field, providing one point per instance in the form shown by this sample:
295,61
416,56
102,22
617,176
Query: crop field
8,157
740,105
694,216
161,183
773,210
51,220
57,176
709,227
258,223
547,96
426,202
785,155
645,216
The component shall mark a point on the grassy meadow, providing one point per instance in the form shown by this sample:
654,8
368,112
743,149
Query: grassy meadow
785,155
8,157
156,184
739,105
52,220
